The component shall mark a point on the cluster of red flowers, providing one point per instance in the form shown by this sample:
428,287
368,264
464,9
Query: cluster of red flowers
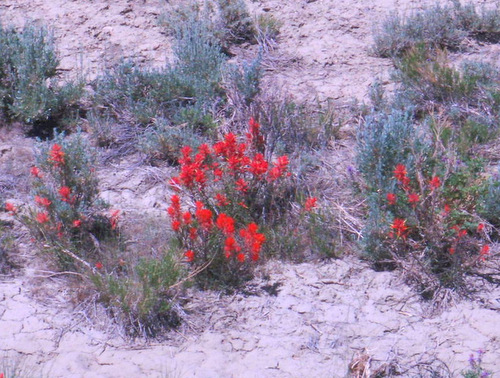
400,229
182,223
228,168
56,155
229,158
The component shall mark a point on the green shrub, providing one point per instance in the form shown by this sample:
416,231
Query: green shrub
163,141
229,197
490,201
69,215
236,25
437,27
467,96
422,201
267,30
29,89
141,293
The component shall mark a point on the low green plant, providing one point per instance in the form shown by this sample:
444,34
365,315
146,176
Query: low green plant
422,202
69,216
475,369
468,96
267,30
141,292
437,27
236,25
162,141
29,89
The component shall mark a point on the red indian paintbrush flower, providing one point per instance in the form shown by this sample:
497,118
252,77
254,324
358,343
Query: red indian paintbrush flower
399,225
391,198
189,255
36,172
225,223
56,155
310,203
435,182
42,218
45,202
65,192
10,207
413,199
400,172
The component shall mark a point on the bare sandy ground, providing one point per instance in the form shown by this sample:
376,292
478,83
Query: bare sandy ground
325,313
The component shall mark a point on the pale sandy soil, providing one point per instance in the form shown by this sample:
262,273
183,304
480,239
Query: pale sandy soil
324,314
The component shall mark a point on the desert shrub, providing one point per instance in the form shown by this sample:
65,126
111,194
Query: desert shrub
140,292
29,89
267,30
293,128
189,91
467,95
243,84
229,194
162,141
69,216
437,27
236,24
490,201
422,201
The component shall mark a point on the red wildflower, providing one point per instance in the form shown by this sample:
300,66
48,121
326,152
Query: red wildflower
65,192
462,233
279,169
241,185
10,207
193,233
413,199
259,165
42,218
186,217
176,225
447,208
253,240
399,225
400,172
99,265
114,218
391,198
480,227
221,200
35,172
225,223
230,245
204,216
452,251
485,251
435,182
77,223
406,183
56,155
45,202
189,255
254,137
310,203
241,257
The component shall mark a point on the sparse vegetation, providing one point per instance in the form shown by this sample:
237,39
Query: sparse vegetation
29,88
440,26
